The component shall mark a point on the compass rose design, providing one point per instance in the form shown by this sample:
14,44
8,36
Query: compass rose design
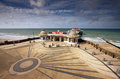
59,59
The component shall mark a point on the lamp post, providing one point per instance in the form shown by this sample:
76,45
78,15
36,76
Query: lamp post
33,38
33,34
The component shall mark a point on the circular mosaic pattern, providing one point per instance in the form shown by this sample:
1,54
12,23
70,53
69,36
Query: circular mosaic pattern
24,66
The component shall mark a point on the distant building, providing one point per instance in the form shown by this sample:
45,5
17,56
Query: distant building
71,36
43,35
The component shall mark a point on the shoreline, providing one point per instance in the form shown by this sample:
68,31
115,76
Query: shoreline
113,44
6,41
89,48
107,48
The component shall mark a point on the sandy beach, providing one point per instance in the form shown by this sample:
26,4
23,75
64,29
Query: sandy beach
56,62
2,40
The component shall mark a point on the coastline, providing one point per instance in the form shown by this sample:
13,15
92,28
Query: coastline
11,41
46,43
113,44
2,40
21,47
107,48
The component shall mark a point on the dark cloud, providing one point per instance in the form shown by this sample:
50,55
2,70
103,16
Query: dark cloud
85,10
16,3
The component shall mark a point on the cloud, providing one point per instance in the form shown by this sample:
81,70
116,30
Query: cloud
15,1
87,4
37,3
43,21
47,12
63,13
35,11
59,4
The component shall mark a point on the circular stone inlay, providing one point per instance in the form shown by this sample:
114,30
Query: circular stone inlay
24,66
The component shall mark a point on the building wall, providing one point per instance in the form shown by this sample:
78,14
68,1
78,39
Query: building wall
43,38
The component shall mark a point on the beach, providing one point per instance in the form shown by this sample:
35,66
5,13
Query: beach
2,40
93,35
59,39
56,62
58,55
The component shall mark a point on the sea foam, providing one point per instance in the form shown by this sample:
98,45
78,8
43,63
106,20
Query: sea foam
100,40
11,36
94,39
116,43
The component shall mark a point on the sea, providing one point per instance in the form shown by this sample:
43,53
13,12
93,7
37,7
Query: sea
94,35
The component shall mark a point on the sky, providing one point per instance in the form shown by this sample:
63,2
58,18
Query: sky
60,14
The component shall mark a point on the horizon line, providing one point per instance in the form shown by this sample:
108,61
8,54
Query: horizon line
59,28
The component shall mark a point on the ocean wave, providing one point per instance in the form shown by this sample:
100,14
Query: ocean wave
116,43
12,36
100,40
94,39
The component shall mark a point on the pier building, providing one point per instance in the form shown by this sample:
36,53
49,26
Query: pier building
71,36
